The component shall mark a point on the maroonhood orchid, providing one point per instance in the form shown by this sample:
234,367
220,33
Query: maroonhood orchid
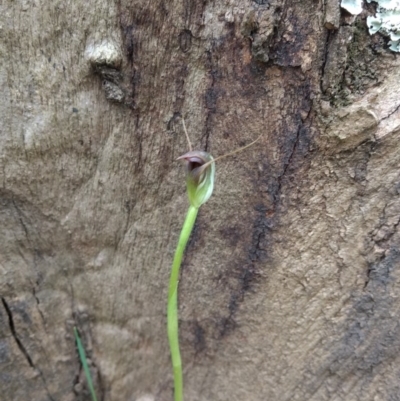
200,173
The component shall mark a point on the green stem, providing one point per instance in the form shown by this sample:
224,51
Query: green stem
172,311
82,356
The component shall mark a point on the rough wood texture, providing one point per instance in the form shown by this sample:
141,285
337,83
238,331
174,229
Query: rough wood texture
290,283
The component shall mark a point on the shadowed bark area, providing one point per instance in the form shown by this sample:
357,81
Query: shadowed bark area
290,280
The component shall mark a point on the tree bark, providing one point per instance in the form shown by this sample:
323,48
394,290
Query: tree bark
290,283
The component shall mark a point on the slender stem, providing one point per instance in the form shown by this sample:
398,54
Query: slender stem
172,311
82,356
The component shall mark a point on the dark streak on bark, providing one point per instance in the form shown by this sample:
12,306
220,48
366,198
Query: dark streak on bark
391,113
21,346
14,334
290,36
293,148
38,307
328,39
20,215
210,98
199,337
247,275
131,50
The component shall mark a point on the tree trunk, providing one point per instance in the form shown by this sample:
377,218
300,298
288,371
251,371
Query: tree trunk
290,283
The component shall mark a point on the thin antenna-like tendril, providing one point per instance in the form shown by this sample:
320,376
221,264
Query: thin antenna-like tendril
230,153
187,135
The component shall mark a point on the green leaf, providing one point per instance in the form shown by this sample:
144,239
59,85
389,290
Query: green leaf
82,356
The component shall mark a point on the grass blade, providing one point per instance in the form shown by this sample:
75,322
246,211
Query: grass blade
82,356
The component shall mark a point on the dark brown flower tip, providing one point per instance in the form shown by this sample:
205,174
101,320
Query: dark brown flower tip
200,172
195,160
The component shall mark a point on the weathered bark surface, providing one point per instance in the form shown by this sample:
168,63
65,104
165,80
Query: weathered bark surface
290,284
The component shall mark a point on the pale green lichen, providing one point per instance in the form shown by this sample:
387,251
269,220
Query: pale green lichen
354,7
387,21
